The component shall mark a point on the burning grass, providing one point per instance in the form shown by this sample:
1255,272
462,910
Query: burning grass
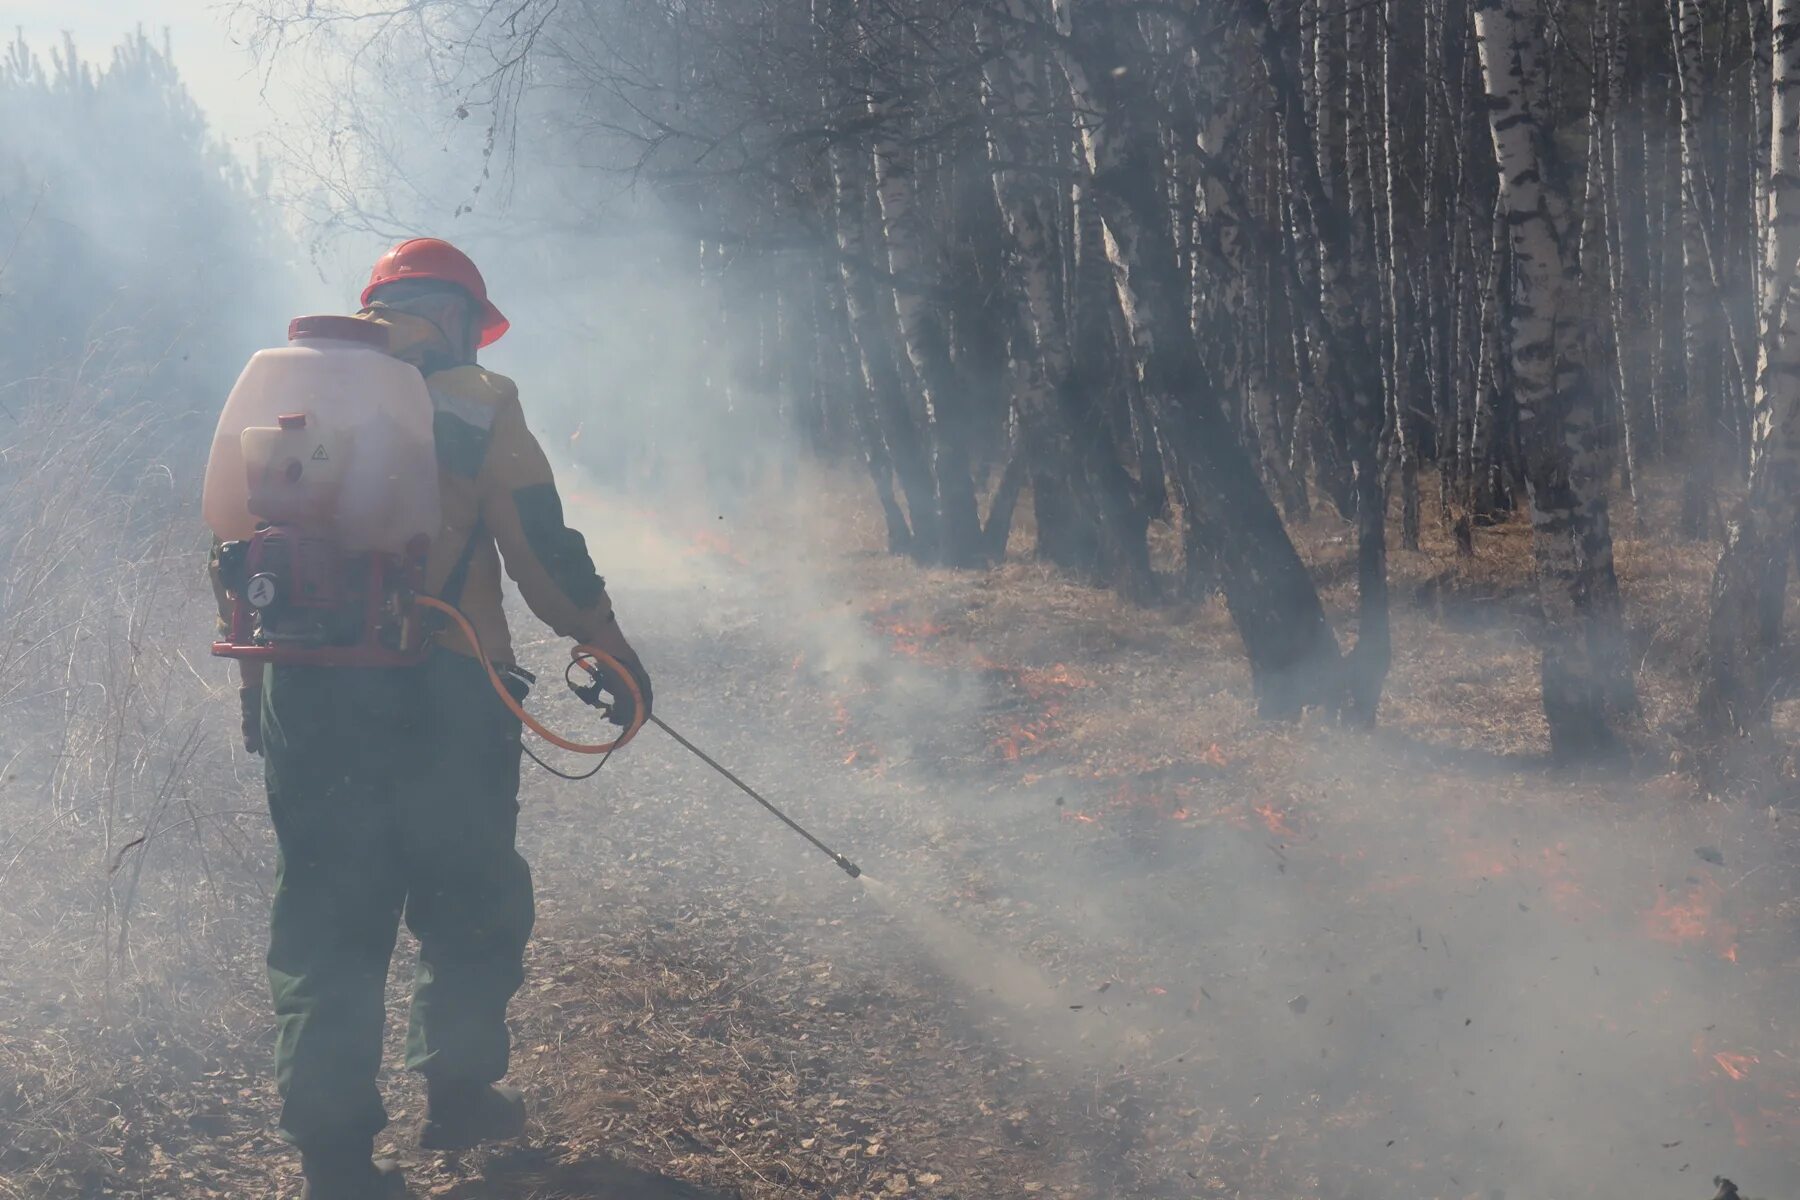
1148,730
1288,957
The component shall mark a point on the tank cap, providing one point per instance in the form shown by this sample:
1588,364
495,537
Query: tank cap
338,329
291,421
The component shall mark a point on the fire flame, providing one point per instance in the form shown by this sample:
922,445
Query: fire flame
1693,917
1045,688
909,638
1735,1065
1155,795
1275,819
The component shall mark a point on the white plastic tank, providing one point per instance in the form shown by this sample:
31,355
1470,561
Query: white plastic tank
294,470
329,432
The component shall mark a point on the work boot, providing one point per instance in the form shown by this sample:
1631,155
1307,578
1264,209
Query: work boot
461,1113
350,1176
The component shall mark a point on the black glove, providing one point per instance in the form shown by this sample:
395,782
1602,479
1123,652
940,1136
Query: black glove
624,713
250,709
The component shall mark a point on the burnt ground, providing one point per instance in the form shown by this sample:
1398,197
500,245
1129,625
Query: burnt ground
1128,940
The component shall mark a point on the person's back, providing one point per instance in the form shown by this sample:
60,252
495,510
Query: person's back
394,791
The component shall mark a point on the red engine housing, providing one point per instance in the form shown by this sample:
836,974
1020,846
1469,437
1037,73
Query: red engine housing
298,598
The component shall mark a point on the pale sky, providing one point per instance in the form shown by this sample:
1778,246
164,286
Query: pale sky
220,74
239,103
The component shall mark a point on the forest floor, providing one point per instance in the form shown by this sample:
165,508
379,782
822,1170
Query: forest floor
1125,940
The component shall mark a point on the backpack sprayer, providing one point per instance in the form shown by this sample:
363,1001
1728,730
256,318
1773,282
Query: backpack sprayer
322,488
369,612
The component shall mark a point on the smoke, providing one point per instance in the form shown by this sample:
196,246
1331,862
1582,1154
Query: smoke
1388,969
132,244
1395,968
1403,974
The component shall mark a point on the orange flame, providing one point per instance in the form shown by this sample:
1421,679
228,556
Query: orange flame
1693,918
1275,819
1045,688
1735,1065
1743,1125
1483,864
909,638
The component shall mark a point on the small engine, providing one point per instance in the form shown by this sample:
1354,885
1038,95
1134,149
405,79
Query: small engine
299,598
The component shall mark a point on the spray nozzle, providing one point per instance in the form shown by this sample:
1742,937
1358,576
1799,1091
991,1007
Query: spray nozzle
849,868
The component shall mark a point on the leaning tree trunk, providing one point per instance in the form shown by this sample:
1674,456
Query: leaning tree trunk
1221,229
1587,682
927,344
1751,577
865,419
1084,486
1272,598
1345,355
890,418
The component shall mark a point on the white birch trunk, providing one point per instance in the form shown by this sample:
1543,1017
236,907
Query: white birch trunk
1273,601
1700,306
1586,674
1761,74
1622,251
1752,574
874,335
922,334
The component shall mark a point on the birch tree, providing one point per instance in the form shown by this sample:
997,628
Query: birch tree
1751,579
926,341
1148,265
1276,607
1700,307
1586,674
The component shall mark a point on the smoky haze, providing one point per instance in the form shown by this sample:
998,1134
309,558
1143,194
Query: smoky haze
1395,961
1445,980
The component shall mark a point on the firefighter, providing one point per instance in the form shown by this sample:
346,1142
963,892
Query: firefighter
394,791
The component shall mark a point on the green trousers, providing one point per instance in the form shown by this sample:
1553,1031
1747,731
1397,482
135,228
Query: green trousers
394,793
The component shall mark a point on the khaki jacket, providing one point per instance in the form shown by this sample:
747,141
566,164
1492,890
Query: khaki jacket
500,504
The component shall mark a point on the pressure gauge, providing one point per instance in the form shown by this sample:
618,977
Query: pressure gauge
261,591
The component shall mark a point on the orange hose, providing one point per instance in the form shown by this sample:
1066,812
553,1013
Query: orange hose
581,654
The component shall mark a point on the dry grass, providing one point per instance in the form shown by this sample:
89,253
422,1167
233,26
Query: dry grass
126,859
1464,673
683,1017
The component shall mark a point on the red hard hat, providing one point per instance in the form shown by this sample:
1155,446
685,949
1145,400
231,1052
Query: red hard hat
433,258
